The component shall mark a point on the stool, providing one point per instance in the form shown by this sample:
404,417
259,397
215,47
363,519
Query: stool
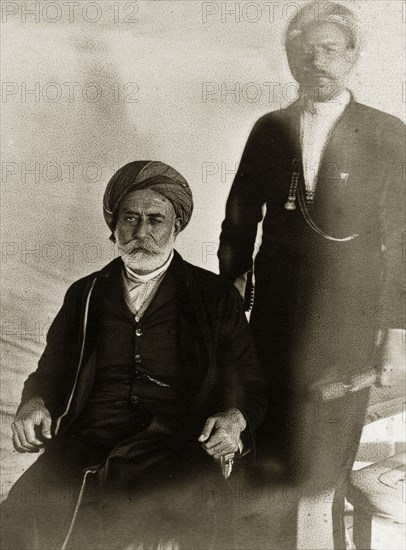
378,496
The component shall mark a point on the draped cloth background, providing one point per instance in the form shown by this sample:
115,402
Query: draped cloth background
85,92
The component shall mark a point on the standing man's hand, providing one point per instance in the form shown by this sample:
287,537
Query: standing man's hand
32,414
221,433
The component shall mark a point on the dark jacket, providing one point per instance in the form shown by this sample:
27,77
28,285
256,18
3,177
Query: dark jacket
217,348
215,344
320,303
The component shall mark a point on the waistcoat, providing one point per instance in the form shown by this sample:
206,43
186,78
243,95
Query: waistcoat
139,373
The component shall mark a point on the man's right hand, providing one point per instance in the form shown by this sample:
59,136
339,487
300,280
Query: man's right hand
33,413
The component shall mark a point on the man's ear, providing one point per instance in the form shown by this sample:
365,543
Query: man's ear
177,226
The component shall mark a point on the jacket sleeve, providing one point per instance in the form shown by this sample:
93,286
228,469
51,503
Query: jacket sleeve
394,225
243,209
241,383
50,379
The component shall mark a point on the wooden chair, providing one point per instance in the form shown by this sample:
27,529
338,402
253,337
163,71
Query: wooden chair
377,493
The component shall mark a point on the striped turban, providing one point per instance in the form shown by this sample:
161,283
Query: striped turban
324,12
146,174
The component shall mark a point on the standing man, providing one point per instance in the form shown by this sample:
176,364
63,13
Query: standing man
329,294
148,375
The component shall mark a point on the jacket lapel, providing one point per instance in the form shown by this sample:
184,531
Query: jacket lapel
197,334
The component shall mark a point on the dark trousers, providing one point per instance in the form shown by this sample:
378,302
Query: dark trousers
314,444
38,511
325,450
151,491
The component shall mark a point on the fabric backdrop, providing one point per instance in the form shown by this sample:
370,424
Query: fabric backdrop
88,88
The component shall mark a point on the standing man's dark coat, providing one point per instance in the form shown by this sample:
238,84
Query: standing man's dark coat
320,303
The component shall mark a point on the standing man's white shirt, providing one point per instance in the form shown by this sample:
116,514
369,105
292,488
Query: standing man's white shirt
316,123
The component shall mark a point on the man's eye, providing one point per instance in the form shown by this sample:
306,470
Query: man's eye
154,221
130,218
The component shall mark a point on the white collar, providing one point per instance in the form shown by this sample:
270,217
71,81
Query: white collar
149,276
332,108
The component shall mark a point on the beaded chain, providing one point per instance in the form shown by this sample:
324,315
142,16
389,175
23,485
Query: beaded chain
306,204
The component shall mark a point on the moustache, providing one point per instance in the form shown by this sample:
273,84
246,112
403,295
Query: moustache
134,246
317,73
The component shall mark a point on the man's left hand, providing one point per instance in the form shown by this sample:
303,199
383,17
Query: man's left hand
221,433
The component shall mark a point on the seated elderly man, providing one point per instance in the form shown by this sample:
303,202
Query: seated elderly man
149,374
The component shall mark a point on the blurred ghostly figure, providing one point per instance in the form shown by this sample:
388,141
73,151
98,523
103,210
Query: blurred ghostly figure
329,295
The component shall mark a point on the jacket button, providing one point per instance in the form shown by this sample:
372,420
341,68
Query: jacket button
134,399
138,358
138,332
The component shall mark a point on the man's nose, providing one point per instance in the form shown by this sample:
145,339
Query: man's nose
319,59
140,229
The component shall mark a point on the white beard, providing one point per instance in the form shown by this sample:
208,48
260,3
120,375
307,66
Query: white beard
144,260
